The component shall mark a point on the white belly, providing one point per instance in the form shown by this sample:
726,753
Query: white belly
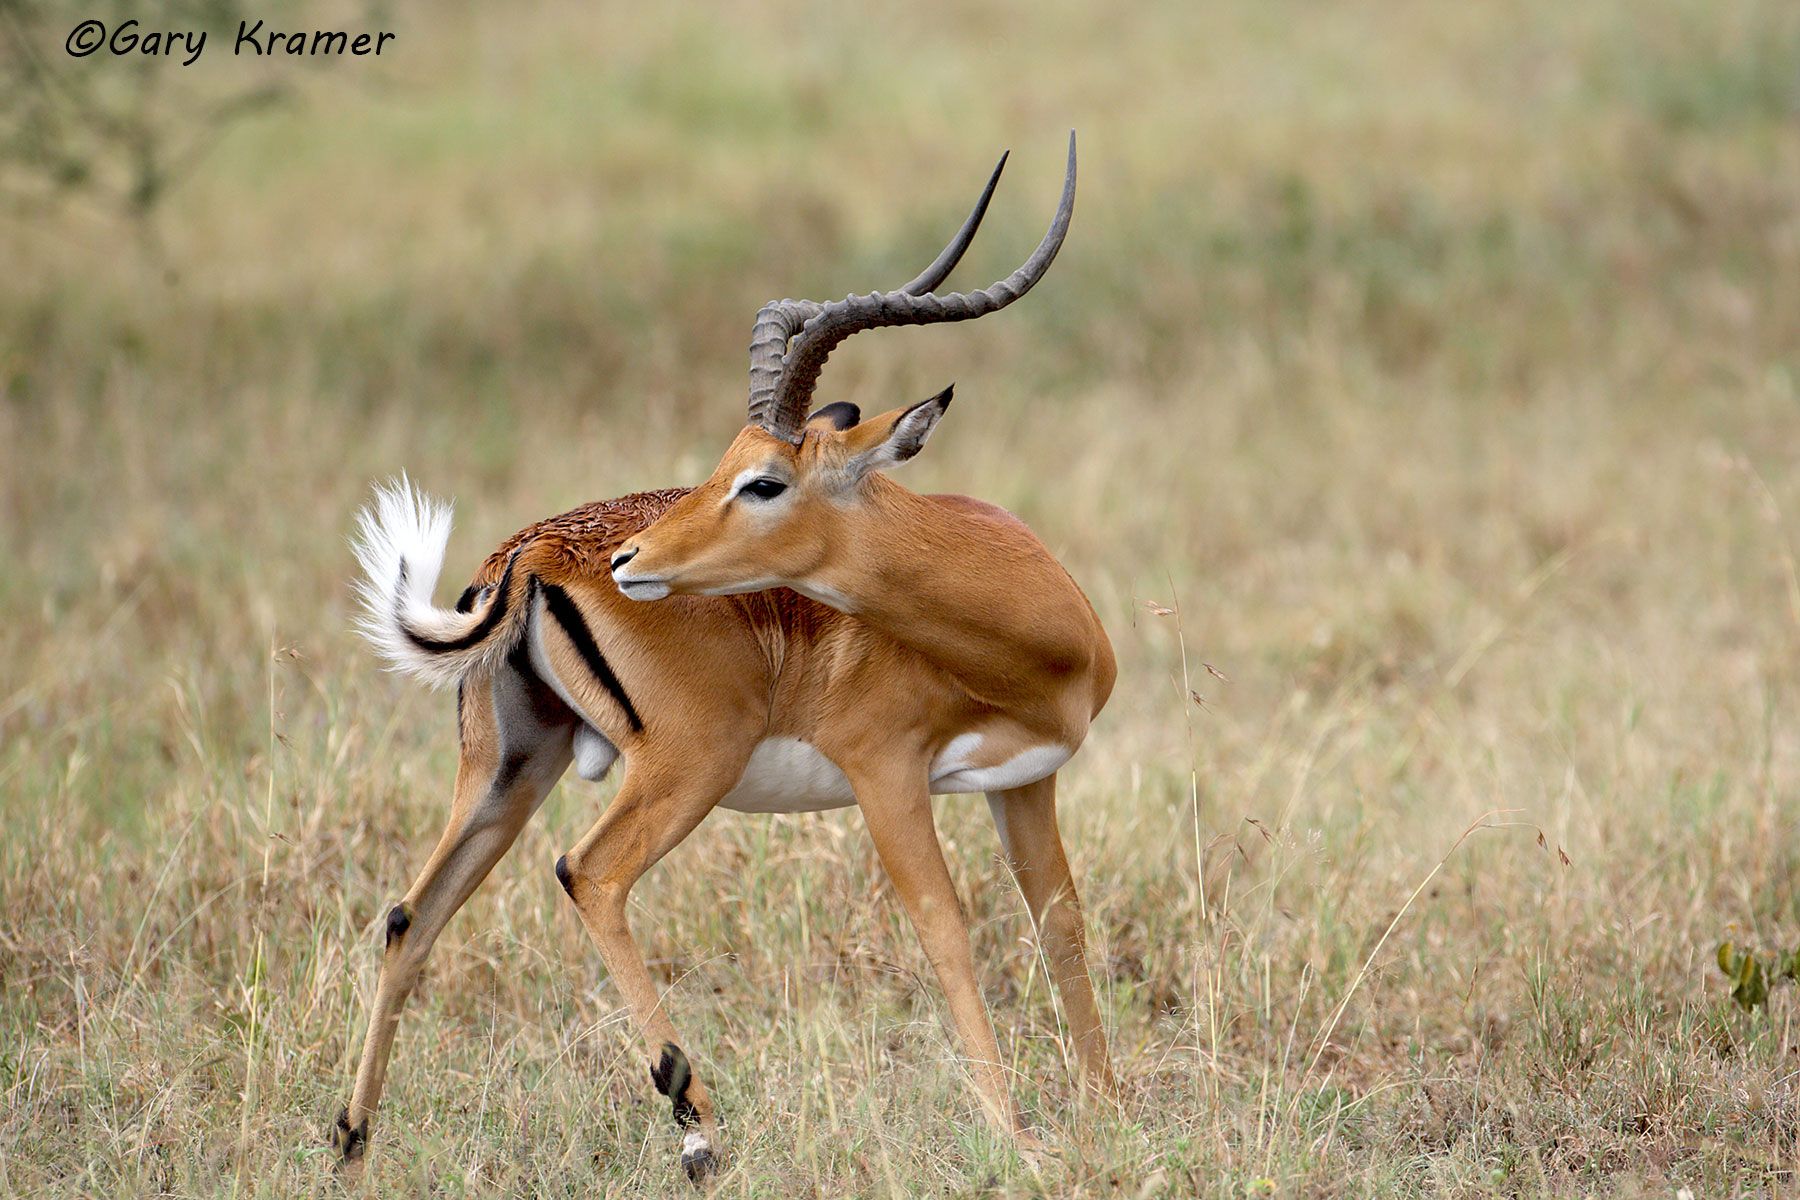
787,775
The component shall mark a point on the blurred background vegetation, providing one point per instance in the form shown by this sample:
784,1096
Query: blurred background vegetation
1439,363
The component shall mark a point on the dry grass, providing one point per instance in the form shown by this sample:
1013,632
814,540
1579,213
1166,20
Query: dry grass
1439,363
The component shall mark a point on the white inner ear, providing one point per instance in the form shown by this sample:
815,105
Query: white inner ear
907,439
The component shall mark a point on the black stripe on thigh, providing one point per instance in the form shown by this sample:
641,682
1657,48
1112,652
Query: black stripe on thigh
575,628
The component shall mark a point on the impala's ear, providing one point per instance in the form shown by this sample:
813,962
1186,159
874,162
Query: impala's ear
839,416
893,437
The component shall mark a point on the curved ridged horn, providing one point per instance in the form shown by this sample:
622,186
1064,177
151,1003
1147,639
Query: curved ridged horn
776,322
782,378
940,268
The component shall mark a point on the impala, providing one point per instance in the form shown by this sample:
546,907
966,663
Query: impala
797,633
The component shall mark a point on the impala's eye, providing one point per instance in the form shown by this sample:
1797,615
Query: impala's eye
765,488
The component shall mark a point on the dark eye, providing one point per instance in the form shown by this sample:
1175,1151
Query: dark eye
764,488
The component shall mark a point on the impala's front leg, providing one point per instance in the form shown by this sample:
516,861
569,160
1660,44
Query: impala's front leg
896,803
657,806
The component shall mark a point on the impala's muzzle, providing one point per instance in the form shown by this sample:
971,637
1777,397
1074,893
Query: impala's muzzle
636,586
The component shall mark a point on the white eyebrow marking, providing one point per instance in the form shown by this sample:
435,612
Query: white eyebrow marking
743,477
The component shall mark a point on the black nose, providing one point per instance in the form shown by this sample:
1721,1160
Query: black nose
623,557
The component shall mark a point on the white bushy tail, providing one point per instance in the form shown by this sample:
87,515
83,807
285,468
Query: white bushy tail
399,542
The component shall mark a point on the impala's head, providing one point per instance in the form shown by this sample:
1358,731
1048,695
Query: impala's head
778,501
773,510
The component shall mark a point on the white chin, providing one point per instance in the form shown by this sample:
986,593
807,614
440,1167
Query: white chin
652,590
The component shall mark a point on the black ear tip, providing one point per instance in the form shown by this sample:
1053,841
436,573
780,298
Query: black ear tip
944,397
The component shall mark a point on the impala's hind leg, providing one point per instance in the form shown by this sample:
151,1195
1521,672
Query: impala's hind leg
516,744
658,805
1026,817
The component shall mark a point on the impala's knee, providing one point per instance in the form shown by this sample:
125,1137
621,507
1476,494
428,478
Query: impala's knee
1062,923
404,948
398,922
604,898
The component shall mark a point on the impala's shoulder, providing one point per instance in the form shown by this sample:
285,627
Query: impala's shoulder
581,540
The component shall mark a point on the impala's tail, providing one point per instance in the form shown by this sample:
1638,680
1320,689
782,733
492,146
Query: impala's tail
400,540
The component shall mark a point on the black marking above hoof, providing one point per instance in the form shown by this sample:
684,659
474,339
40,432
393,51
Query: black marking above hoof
349,1143
399,921
563,877
671,1076
700,1164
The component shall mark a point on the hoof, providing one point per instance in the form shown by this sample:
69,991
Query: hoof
697,1158
700,1165
349,1143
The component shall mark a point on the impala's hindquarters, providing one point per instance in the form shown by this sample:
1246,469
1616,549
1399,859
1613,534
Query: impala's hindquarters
400,540
535,690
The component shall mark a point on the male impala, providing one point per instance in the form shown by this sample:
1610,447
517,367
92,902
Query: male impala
820,637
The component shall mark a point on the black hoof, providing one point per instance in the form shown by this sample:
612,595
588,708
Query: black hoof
349,1143
700,1164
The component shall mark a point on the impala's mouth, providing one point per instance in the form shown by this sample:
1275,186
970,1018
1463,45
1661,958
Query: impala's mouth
643,589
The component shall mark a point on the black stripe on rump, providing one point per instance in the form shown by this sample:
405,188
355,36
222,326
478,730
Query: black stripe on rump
569,617
483,627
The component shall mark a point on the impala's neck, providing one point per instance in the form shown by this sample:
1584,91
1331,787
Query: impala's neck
970,588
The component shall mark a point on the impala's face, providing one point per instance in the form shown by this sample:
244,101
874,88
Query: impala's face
772,513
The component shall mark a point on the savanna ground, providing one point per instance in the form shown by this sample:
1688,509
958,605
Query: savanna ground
1439,364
